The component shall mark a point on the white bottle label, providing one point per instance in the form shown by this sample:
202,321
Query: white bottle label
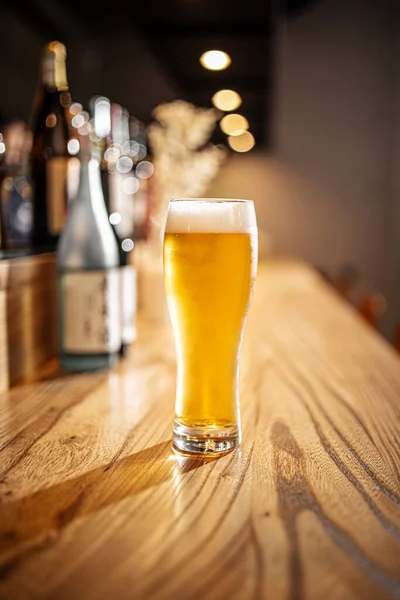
91,307
128,297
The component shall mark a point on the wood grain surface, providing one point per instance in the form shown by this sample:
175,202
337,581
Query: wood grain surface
94,505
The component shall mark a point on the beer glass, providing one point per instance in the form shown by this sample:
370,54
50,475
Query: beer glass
210,264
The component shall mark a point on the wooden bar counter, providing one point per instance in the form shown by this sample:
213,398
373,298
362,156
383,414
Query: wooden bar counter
95,506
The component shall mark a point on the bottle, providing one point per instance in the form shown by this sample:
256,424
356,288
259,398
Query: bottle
89,289
111,133
49,155
15,187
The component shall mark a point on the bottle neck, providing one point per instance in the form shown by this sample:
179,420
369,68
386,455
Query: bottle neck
90,191
54,70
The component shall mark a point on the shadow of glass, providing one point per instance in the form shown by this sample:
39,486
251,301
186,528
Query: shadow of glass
52,509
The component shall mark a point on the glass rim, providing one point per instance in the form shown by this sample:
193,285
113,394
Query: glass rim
213,200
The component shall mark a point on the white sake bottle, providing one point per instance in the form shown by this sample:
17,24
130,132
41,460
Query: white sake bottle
89,287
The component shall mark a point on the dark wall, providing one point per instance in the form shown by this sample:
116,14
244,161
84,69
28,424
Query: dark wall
20,48
115,62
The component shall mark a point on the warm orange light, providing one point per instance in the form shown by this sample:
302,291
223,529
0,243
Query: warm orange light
215,60
51,120
234,124
242,143
226,100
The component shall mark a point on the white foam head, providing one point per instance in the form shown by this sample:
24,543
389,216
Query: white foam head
211,215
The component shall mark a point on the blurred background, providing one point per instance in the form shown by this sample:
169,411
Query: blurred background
318,83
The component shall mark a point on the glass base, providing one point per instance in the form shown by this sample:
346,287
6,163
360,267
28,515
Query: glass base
205,441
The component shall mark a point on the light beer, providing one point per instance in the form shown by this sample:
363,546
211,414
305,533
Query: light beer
210,262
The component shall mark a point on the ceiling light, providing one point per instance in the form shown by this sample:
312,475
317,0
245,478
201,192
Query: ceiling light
242,143
234,124
215,60
226,100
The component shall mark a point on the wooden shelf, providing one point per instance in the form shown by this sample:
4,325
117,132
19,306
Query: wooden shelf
28,335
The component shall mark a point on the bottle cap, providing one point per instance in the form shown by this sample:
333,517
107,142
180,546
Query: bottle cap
54,67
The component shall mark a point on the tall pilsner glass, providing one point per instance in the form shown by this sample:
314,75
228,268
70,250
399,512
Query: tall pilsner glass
210,264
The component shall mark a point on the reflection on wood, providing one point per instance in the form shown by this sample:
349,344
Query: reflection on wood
95,505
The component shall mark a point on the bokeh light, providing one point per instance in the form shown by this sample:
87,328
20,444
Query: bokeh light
234,124
84,129
112,154
226,100
78,121
51,120
75,108
215,60
131,148
130,185
242,143
102,116
115,218
144,169
73,146
127,245
23,218
124,164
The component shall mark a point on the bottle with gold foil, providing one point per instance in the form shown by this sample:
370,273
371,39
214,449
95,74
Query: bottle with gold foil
49,155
